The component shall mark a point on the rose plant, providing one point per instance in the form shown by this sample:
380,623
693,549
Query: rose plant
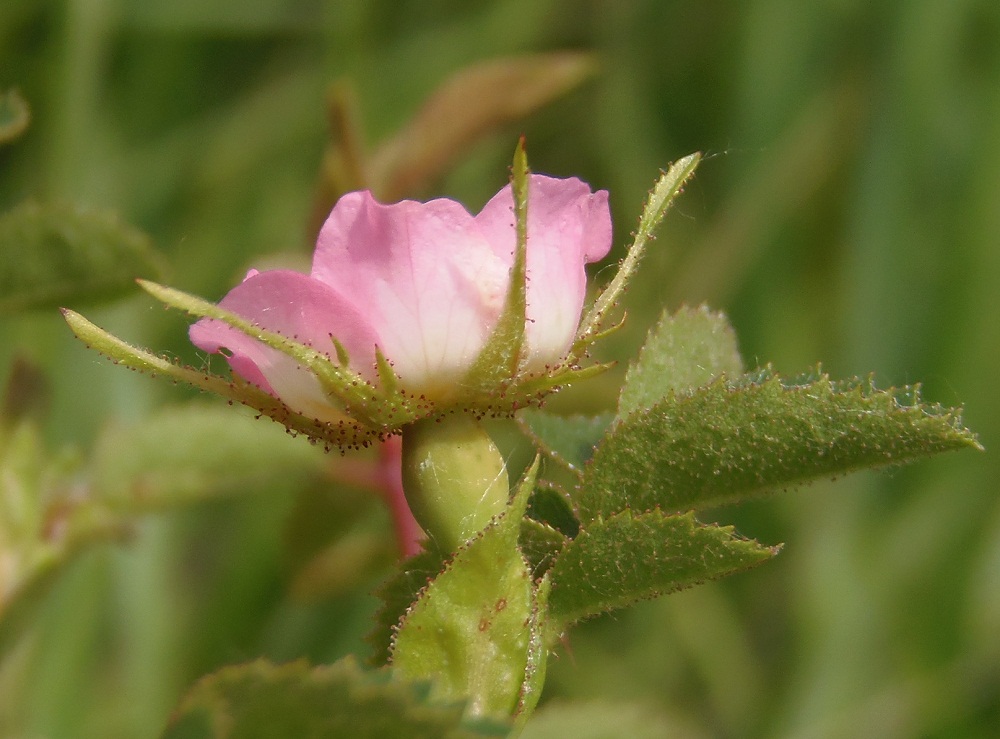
418,319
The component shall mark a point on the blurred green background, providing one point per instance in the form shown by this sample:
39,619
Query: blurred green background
848,213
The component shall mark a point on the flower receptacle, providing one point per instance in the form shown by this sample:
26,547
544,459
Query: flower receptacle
454,476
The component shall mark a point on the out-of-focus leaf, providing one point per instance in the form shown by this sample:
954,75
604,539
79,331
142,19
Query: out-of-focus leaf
684,351
262,699
726,442
51,255
15,115
345,564
600,720
630,557
187,453
568,440
344,166
336,537
26,394
44,523
469,105
473,629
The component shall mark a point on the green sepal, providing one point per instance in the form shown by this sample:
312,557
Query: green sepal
734,440
536,386
668,187
540,543
388,379
348,434
467,630
359,398
636,556
500,358
263,699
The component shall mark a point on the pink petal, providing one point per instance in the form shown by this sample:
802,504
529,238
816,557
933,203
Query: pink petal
301,308
429,283
568,226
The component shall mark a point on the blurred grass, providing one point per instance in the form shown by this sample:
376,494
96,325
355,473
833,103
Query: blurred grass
850,215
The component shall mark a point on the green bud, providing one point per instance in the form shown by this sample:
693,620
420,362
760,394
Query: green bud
454,477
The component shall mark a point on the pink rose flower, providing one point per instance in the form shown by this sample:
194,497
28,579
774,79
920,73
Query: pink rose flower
423,282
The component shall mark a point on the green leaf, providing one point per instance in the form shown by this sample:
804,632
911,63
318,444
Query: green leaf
265,700
26,395
397,594
726,442
668,187
46,519
51,255
538,656
474,102
183,454
600,720
14,116
471,630
568,440
684,351
551,505
630,557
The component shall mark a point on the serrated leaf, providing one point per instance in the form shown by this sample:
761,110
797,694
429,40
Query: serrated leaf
661,197
262,699
568,440
726,442
684,351
14,116
630,557
467,631
51,255
474,102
